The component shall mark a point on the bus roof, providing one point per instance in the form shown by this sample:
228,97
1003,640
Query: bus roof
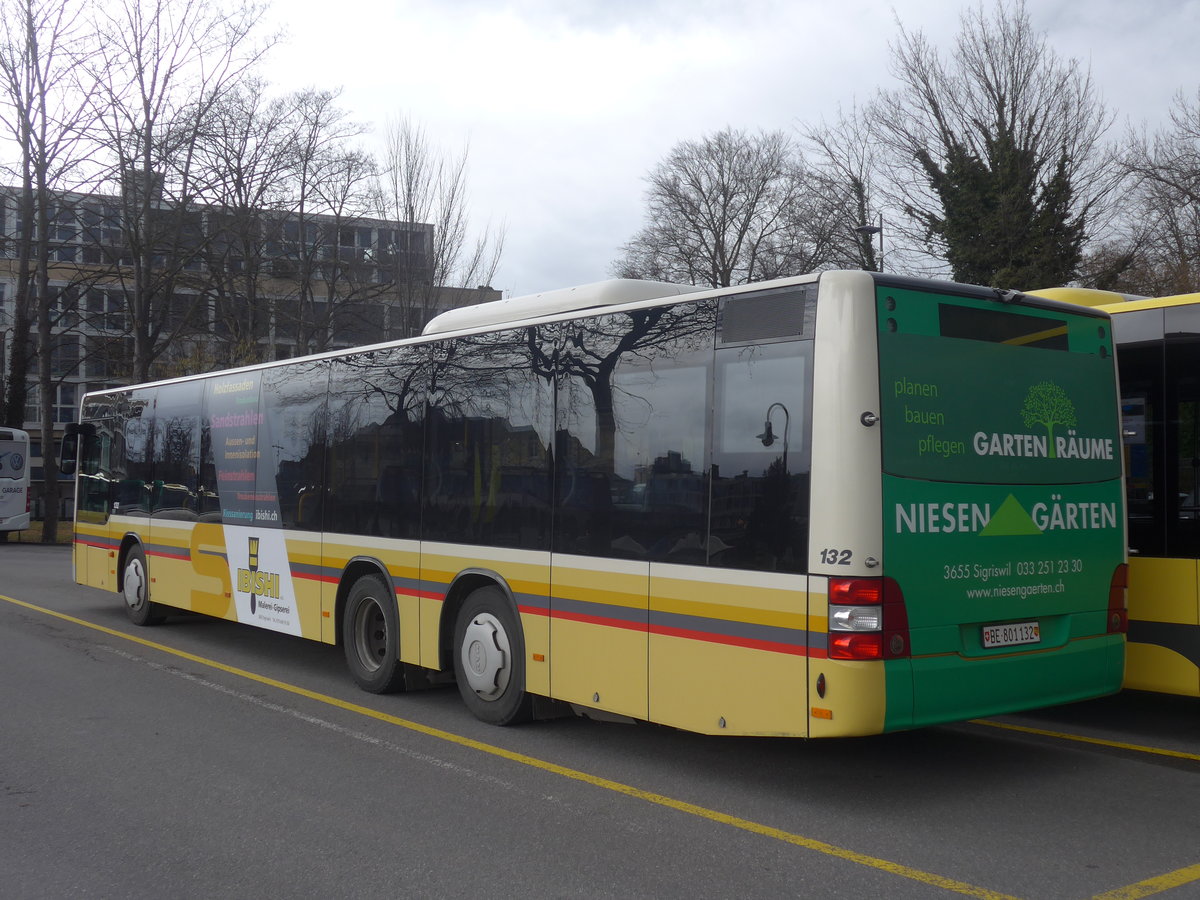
1154,303
572,299
631,293
1086,296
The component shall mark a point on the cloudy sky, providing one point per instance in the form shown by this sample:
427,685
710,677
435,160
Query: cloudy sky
566,105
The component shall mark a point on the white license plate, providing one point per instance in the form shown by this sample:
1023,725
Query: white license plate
1012,634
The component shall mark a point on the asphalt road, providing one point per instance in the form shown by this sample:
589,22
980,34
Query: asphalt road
206,759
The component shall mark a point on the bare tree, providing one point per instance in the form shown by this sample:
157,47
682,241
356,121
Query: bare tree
165,64
317,142
244,158
994,156
1165,169
732,208
42,45
844,153
420,185
347,271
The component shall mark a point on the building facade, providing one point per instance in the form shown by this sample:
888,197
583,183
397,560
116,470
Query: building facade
214,288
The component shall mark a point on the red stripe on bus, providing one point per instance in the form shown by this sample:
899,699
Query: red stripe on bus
707,636
599,620
97,546
308,576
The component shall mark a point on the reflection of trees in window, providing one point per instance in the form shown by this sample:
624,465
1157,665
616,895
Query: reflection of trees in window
375,426
589,352
489,435
760,473
623,487
291,445
176,449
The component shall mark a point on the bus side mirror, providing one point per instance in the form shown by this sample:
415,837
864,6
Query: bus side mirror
69,452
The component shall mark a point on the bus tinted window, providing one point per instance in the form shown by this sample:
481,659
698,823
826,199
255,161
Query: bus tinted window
176,450
376,410
133,464
291,457
660,449
1002,326
761,457
489,434
12,458
1143,433
632,432
93,493
230,462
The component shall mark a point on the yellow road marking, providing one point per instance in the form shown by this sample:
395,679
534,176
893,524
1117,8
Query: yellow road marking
683,806
1144,888
1154,885
1084,739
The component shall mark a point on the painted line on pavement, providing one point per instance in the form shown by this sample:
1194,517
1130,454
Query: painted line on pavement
683,806
1144,888
1084,739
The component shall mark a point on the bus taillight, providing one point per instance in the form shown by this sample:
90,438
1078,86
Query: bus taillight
867,619
1118,611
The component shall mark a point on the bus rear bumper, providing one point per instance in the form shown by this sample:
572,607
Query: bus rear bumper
15,523
952,688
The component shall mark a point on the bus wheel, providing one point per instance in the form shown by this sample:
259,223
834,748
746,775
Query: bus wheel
371,636
136,588
489,658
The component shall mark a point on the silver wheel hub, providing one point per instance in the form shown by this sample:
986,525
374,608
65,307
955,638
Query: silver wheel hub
486,656
370,634
135,584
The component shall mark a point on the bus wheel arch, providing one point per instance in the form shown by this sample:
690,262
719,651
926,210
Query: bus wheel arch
368,626
487,648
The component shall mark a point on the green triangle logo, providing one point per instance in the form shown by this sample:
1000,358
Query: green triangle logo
1010,519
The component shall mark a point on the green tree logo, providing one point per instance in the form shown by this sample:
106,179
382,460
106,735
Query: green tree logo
1048,405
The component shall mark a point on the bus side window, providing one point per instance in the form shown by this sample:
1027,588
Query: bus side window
1143,439
761,459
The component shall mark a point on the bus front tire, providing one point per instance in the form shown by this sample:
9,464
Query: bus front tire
135,586
489,658
371,636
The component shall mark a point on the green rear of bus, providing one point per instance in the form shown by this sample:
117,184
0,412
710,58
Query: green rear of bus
1004,521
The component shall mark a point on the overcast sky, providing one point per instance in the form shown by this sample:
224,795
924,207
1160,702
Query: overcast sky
568,104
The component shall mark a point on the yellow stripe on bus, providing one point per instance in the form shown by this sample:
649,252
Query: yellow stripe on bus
1023,339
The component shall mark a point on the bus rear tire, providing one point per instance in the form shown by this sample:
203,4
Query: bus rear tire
489,658
135,586
371,636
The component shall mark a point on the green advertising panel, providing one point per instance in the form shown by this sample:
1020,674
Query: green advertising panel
1002,461
976,553
978,391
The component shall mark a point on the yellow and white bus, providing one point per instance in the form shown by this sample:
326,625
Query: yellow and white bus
14,479
840,504
1158,354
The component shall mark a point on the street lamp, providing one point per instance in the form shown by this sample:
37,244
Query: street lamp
768,434
867,231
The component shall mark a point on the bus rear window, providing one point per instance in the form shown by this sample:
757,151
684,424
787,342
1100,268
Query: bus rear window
12,459
1002,326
